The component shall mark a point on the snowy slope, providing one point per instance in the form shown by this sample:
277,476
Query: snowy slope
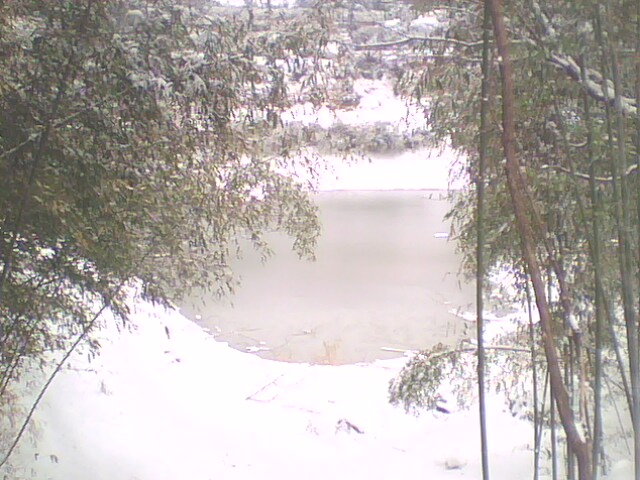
166,401
153,407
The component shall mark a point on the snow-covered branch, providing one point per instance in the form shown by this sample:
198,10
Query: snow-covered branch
584,176
598,87
384,45
414,39
593,84
474,349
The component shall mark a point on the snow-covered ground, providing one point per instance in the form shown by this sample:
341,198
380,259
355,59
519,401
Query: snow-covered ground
377,104
166,401
420,169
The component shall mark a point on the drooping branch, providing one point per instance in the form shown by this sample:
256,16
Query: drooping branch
483,142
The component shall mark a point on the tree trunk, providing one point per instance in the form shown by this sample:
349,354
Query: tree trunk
624,226
518,188
537,424
554,436
596,243
480,274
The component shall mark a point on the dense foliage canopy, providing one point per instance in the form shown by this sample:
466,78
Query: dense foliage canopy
132,149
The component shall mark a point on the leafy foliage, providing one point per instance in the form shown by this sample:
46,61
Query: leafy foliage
132,150
449,372
418,386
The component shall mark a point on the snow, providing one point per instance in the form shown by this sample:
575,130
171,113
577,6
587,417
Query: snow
377,104
427,21
157,406
422,169
391,23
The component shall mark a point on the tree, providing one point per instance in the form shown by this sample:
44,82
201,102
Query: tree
132,151
582,186
523,212
480,273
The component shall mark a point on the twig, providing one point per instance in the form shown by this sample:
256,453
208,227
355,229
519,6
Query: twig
35,404
584,176
250,397
620,422
66,356
497,348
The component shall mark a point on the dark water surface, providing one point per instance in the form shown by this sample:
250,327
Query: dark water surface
384,279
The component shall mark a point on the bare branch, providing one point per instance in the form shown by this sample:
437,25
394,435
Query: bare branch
474,350
414,39
585,176
384,45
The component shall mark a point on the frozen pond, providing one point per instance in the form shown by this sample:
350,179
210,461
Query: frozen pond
385,278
